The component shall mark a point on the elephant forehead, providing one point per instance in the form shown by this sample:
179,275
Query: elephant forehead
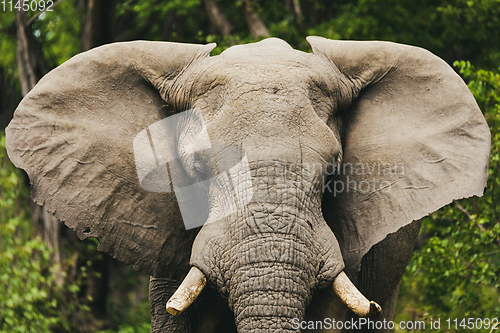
279,84
287,70
263,45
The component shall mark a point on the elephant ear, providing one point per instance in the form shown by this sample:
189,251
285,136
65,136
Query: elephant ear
413,138
73,134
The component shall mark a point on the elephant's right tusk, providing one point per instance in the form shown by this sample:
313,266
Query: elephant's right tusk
187,292
354,299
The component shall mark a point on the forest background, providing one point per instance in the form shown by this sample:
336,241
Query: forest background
52,282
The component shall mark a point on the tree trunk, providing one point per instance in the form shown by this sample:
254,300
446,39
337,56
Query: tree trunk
179,28
30,61
254,20
96,29
217,18
298,11
9,96
167,27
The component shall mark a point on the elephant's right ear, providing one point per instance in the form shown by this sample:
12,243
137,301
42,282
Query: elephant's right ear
73,134
414,139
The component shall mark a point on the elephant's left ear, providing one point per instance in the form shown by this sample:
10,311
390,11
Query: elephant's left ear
414,139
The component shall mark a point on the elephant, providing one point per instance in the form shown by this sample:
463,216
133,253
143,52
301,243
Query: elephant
332,158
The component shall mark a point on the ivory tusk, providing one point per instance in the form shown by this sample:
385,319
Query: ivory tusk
354,299
187,292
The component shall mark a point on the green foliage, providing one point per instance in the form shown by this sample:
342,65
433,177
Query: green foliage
149,18
7,41
57,32
474,23
129,305
31,298
456,274
38,295
8,63
453,29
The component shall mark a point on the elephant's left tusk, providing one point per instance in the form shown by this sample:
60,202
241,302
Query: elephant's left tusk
354,299
187,292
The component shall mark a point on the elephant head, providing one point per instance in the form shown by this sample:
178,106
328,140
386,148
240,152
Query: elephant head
341,147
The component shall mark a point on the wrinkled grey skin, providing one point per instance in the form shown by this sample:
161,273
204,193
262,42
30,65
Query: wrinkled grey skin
348,103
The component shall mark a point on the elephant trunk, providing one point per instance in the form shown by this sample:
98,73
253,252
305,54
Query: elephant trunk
272,280
268,297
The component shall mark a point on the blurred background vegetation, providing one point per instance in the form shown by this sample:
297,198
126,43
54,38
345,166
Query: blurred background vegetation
51,282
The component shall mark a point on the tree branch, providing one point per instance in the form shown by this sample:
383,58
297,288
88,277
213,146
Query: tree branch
34,17
478,225
495,174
